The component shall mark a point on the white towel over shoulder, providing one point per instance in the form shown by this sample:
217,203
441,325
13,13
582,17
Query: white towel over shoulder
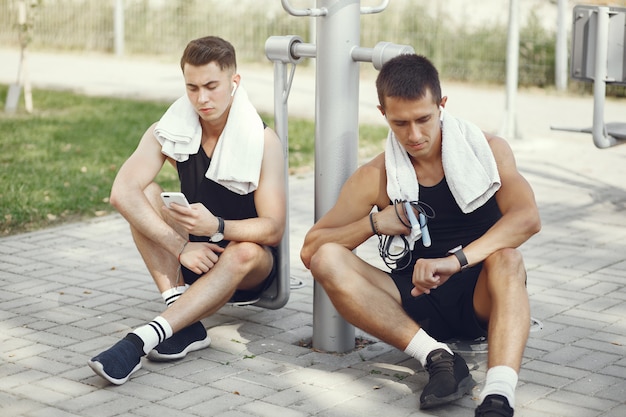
401,182
468,164
179,131
237,157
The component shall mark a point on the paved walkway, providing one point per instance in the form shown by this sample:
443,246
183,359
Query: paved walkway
68,292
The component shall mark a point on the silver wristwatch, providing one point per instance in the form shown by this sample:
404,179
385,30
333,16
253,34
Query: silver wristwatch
219,235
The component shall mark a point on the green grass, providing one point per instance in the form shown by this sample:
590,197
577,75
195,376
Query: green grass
58,164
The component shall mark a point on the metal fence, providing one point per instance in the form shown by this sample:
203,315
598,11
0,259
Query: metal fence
151,26
461,51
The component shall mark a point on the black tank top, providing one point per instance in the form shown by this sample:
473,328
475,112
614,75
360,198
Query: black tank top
450,227
218,199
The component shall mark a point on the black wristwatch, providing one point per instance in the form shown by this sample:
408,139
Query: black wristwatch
219,235
460,255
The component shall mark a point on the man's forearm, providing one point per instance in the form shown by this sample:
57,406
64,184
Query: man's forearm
143,218
261,230
509,232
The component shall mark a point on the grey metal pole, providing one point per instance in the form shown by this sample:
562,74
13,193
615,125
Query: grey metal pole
510,129
279,49
281,93
336,142
336,121
560,76
600,137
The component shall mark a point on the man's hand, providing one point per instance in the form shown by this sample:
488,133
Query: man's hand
200,257
196,220
429,274
388,223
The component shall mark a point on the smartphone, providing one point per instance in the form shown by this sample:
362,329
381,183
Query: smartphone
169,197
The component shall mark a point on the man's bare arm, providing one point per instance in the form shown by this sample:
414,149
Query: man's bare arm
270,200
348,222
128,197
520,215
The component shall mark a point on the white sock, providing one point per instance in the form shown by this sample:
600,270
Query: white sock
171,295
500,380
422,344
154,333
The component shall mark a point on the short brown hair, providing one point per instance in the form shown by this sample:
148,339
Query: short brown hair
209,49
408,77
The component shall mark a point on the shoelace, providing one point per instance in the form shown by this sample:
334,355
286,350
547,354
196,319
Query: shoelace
439,364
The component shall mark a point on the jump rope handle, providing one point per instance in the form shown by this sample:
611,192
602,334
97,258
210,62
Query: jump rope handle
422,223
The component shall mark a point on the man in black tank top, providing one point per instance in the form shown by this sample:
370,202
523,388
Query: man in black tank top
465,277
221,246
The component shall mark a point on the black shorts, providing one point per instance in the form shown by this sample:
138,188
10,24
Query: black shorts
241,295
448,311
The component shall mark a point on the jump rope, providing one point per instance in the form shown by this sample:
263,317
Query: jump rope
393,257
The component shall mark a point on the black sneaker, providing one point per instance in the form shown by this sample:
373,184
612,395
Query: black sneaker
189,339
449,379
119,362
494,405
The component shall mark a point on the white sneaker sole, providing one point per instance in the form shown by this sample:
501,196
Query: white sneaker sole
99,369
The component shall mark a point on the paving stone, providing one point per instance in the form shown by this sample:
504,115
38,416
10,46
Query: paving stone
543,379
568,334
153,410
52,412
594,384
556,369
189,398
555,408
603,342
363,406
264,409
583,400
219,405
618,411
39,393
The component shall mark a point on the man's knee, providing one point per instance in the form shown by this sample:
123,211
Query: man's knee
242,257
503,278
510,256
506,263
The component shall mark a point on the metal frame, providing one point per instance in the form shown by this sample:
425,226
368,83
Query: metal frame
599,55
336,121
278,50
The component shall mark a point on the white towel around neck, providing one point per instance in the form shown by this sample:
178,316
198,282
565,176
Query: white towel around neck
468,164
237,157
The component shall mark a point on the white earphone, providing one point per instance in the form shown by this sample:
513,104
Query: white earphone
441,113
234,89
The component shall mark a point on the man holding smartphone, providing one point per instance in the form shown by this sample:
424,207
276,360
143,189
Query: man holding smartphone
223,246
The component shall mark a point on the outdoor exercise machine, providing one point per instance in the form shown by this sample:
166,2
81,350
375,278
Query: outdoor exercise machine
599,56
337,53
